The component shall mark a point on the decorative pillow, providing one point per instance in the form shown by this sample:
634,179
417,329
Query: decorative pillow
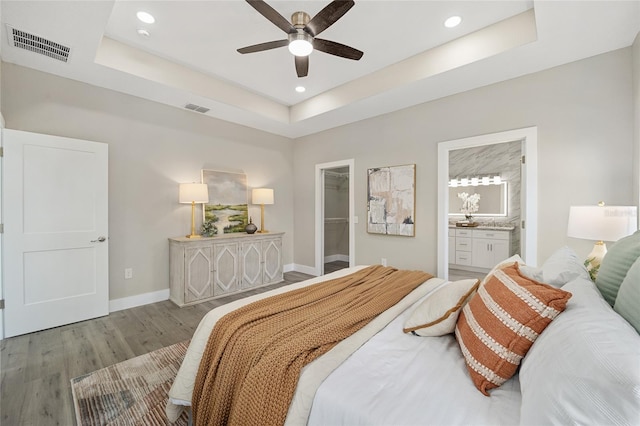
438,313
584,368
628,299
615,265
501,321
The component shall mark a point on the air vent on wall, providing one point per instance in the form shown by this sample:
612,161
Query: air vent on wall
196,108
37,44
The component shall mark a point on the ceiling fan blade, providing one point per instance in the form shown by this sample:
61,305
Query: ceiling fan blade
337,49
328,16
302,65
272,15
263,46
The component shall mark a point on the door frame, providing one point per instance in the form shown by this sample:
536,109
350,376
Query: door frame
528,194
319,222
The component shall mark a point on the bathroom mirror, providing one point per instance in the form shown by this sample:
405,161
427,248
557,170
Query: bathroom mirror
493,199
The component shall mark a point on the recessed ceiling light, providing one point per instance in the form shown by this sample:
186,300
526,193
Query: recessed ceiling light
300,89
145,17
143,33
453,21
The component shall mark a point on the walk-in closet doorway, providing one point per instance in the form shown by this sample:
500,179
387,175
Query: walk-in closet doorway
334,212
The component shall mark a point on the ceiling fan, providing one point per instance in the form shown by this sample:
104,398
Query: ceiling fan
303,31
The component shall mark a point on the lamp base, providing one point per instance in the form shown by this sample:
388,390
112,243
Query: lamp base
262,232
194,236
594,259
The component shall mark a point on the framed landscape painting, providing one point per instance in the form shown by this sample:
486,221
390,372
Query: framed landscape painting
227,207
391,199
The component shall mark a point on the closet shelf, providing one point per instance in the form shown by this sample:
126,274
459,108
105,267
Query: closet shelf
336,220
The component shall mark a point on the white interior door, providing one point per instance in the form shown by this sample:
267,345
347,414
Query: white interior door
55,231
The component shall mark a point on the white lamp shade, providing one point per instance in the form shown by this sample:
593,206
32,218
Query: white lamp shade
194,193
262,196
602,223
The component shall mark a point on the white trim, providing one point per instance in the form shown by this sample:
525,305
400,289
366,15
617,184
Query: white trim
529,201
138,300
304,269
336,257
289,267
319,225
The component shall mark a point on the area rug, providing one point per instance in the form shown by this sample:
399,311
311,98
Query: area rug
133,392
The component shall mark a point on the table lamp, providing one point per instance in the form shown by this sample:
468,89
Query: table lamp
601,223
262,196
192,193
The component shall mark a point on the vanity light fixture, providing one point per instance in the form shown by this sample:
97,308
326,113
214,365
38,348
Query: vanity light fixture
490,179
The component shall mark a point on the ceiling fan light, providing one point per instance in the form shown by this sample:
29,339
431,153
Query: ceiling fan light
300,44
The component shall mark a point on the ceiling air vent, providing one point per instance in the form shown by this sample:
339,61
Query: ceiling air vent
37,44
196,108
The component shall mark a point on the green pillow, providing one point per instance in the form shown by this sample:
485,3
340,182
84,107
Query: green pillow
628,300
622,254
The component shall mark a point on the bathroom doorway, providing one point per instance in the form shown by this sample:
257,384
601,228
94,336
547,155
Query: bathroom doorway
447,247
334,211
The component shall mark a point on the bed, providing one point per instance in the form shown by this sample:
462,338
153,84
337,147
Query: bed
583,369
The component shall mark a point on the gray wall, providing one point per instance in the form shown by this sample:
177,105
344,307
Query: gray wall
152,148
584,114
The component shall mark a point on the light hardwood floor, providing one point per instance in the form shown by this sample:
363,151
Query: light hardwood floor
36,368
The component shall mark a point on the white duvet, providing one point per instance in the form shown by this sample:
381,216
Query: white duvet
402,379
379,375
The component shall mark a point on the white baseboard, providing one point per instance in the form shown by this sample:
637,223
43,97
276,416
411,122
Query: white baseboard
336,257
309,270
138,300
160,295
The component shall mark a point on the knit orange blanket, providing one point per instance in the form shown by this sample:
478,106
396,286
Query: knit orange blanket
252,361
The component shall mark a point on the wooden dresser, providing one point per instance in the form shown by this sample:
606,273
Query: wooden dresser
206,268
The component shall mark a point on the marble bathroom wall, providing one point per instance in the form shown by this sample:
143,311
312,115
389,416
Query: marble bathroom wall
504,159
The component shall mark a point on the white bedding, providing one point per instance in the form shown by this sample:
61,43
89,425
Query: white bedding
312,375
402,379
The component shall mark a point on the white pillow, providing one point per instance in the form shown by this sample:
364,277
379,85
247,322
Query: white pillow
506,262
438,313
584,368
562,267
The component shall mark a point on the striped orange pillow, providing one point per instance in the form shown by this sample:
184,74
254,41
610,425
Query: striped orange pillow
501,321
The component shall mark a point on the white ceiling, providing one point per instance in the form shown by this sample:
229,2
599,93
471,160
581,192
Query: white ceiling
409,56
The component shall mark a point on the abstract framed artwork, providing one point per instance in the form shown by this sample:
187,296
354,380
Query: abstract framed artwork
391,199
228,196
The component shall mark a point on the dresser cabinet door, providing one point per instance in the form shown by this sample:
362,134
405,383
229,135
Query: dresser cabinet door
251,256
198,273
226,271
272,266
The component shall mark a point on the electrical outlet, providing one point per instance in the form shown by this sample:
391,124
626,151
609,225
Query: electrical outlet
128,273
383,261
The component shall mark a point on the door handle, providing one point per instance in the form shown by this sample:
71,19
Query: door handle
99,240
